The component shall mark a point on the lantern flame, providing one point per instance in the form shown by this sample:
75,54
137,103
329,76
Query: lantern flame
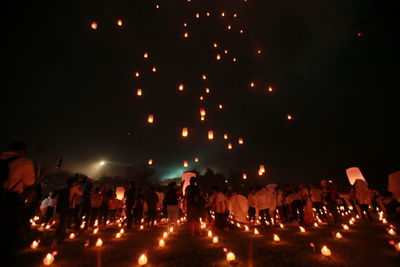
99,242
185,132
142,260
230,257
338,235
276,238
210,135
48,260
326,251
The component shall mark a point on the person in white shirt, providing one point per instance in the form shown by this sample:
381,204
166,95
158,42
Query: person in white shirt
316,195
262,200
220,206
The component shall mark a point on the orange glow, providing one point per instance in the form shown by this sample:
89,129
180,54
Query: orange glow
154,69
119,22
146,55
196,159
220,106
202,112
252,84
208,14
186,35
262,168
185,24
218,57
244,176
223,14
229,27
139,92
150,162
234,59
202,118
150,118
229,146
259,51
137,74
157,6
235,15
210,135
226,51
270,89
326,251
201,98
225,136
240,141
207,90
241,31
289,117
197,15
93,25
204,77
185,163
181,86
215,45
185,132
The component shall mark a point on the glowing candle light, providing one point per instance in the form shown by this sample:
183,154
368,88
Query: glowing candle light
225,136
142,260
281,225
302,229
316,224
209,234
48,260
240,141
230,257
122,231
71,236
99,242
326,251
229,27
226,51
150,118
218,57
93,25
171,229
95,231
165,235
154,69
234,59
229,146
223,14
181,87
141,227
146,55
197,15
384,221
139,92
210,135
137,74
202,112
185,132
185,24
118,235
345,227
215,45
202,118
338,235
186,35
35,244
391,231
246,228
289,117
241,31
185,163
201,98
252,84
207,90
204,77
262,169
276,238
119,22
244,176
161,243
150,162
269,89
256,232
208,14
215,240
235,15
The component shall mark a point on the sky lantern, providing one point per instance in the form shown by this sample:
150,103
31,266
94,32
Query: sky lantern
185,163
201,98
120,192
181,87
256,232
391,231
209,234
276,238
235,15
240,141
165,235
262,168
246,228
93,25
326,251
220,106
48,260
269,88
301,228
259,51
150,118
229,27
196,159
202,112
225,136
137,74
197,15
210,135
157,6
146,55
139,92
207,90
71,236
142,260
226,51
234,59
185,24
150,162
223,14
241,31
119,22
252,84
161,243
289,117
185,132
218,57
202,118
99,242
208,14
230,257
215,45
186,35
345,227
229,146
244,175
118,235
204,77
154,69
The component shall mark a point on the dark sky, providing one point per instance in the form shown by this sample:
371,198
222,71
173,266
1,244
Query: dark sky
72,89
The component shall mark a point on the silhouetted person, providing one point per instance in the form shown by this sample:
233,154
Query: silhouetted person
130,203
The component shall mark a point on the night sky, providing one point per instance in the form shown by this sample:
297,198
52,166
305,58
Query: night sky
333,66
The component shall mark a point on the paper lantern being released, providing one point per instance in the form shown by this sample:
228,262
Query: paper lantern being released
150,118
139,92
120,192
93,25
354,174
185,132
210,135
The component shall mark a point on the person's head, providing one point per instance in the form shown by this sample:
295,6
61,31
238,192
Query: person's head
18,147
193,180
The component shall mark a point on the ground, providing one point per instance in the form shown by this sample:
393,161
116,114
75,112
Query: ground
365,244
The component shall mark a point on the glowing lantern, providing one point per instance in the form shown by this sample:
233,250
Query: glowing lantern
204,77
289,117
246,228
230,257
258,51
141,227
186,35
262,169
142,260
161,243
354,174
223,14
202,118
202,112
252,84
139,92
240,141
210,135
276,238
244,176
71,236
93,25
229,146
185,132
181,87
146,55
269,89
391,231
157,6
150,118
218,57
209,234
208,14
171,229
185,24
235,15
119,22
397,247
345,227
384,221
201,98
281,225
215,240
316,224
215,45
48,260
165,235
338,235
229,27
225,136
185,163
118,235
122,231
226,51
220,106
99,242
241,31
150,162
207,90
35,244
326,251
120,192
234,59
197,15
256,232
302,229
154,69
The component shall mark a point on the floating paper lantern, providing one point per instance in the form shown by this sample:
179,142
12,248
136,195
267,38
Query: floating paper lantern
281,225
259,51
215,45
150,162
384,221
226,51
220,106
210,135
202,112
185,163
397,246
171,229
204,77
230,257
215,240
48,260
185,132
302,229
209,234
225,136
202,118
197,15
262,169
119,22
270,89
252,84
241,31
99,242
154,69
256,232
35,244
150,118
289,117
316,224
120,192
234,59
240,141
95,231
244,176
276,238
186,35
218,57
137,74
139,92
201,98
229,27
223,14
229,146
208,90
185,24
71,236
338,235
196,159
161,243
181,87
142,260
141,227
122,231
326,251
93,25
354,174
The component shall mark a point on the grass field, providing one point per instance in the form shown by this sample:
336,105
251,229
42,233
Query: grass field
365,244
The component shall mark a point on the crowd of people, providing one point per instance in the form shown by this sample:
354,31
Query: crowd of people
81,205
